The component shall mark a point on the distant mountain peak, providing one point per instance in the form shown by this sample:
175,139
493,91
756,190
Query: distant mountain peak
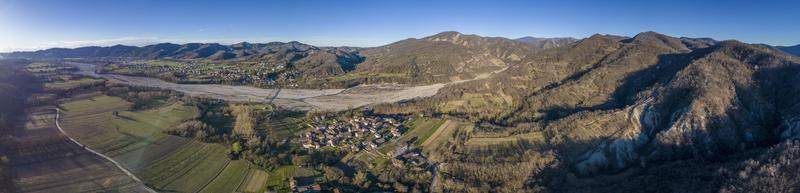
447,36
795,50
546,43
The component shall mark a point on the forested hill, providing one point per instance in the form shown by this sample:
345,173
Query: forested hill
608,103
444,57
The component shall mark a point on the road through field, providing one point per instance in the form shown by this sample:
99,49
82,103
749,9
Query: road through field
123,169
300,99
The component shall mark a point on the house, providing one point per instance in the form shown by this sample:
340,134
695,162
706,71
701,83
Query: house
397,162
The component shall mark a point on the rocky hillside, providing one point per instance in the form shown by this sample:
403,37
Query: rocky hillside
606,104
444,57
546,43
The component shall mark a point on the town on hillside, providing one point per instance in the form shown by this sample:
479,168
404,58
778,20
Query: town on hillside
354,134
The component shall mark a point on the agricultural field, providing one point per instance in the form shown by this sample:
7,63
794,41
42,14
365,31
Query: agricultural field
42,67
533,136
376,163
255,182
134,138
442,135
230,179
44,160
279,178
187,170
66,85
284,126
420,129
164,162
169,63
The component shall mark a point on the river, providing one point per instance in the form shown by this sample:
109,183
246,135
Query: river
298,99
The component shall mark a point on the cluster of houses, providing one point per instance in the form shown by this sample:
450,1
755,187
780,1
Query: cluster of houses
303,188
356,134
260,73
404,155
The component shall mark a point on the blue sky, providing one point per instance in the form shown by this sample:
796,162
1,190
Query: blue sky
36,24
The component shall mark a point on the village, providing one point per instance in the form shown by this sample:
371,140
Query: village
356,134
261,74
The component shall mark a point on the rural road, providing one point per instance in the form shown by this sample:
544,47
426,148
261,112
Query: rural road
299,99
123,169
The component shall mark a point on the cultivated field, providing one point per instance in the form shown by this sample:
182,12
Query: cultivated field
164,162
284,126
255,182
44,160
279,178
230,178
442,135
187,170
420,129
71,84
533,136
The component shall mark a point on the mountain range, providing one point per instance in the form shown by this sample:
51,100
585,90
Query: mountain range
790,49
604,105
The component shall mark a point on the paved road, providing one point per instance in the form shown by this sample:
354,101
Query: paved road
123,169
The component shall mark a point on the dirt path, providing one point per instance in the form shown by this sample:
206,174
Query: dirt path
123,169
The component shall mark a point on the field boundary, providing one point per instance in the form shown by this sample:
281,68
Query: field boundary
128,173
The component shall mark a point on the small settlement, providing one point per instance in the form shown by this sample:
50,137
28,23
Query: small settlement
355,134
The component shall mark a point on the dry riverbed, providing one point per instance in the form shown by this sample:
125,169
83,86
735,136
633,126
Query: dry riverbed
300,99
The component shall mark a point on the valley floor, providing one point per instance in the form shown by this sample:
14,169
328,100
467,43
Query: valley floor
300,99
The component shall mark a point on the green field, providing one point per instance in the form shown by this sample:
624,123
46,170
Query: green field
278,179
135,138
442,135
188,170
283,127
255,182
230,179
420,129
363,75
533,136
71,84
168,63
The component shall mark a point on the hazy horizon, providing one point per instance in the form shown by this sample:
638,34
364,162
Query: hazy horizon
35,25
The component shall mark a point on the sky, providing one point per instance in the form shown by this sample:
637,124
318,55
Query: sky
40,24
